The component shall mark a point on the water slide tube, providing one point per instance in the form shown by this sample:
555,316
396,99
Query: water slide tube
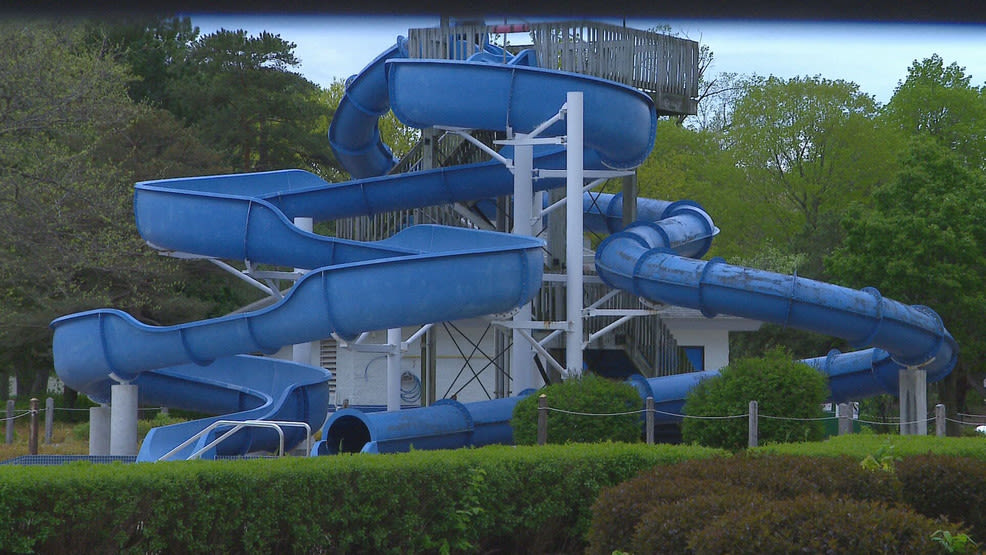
655,260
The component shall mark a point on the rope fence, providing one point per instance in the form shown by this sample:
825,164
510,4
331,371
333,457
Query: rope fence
49,410
938,418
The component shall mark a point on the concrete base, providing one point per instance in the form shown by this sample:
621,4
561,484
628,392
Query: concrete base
123,419
99,431
913,387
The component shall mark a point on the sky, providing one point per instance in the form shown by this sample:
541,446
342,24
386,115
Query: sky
873,55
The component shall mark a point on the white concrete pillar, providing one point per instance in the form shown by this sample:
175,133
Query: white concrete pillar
522,370
99,430
573,237
394,369
302,352
913,400
123,419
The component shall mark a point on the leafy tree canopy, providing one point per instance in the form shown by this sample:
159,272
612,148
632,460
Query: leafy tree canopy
939,101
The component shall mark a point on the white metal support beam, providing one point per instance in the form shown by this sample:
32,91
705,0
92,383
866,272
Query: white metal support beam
573,236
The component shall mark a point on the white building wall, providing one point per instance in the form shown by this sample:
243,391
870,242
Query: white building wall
361,377
716,343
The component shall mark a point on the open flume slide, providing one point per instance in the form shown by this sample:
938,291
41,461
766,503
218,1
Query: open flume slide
655,259
432,274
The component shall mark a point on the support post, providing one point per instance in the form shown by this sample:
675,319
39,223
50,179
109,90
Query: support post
10,421
845,423
302,352
123,419
649,421
521,353
394,369
542,419
754,425
99,430
49,419
32,436
940,420
913,387
502,380
629,199
573,236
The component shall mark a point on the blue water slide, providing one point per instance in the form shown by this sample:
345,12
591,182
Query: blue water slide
646,259
430,273
655,258
353,134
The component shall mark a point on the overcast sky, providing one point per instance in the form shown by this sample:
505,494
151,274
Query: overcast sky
873,55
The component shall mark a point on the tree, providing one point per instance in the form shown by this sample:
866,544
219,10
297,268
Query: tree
150,46
809,146
938,101
72,144
782,387
691,164
239,94
923,242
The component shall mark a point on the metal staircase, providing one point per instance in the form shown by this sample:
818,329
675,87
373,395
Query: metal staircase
663,66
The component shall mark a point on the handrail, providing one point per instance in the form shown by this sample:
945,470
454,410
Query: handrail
237,426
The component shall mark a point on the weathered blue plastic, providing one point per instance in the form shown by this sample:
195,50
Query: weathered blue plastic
447,424
643,261
430,274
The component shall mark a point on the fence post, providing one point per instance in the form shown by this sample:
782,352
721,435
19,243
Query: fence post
754,429
49,419
10,421
32,438
940,420
649,421
542,419
845,424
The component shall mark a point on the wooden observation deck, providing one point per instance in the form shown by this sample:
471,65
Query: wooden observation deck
663,66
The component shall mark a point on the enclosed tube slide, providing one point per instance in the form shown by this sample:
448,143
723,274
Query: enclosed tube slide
422,274
654,259
431,274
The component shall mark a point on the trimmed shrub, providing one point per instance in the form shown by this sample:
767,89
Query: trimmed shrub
781,386
667,526
712,484
954,487
817,524
592,395
494,499
619,509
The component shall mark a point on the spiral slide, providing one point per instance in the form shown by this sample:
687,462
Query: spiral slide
422,274
655,258
431,273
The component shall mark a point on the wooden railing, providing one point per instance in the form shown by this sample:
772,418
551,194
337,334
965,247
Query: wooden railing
662,65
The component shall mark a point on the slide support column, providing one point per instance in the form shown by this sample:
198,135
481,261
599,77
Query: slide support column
99,430
573,237
394,369
302,352
913,387
521,352
123,419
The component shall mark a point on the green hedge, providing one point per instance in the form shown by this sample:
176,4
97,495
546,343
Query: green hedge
512,499
769,503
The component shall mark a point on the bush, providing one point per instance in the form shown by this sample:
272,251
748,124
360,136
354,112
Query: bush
669,502
591,394
954,487
817,524
618,509
502,499
781,386
667,526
